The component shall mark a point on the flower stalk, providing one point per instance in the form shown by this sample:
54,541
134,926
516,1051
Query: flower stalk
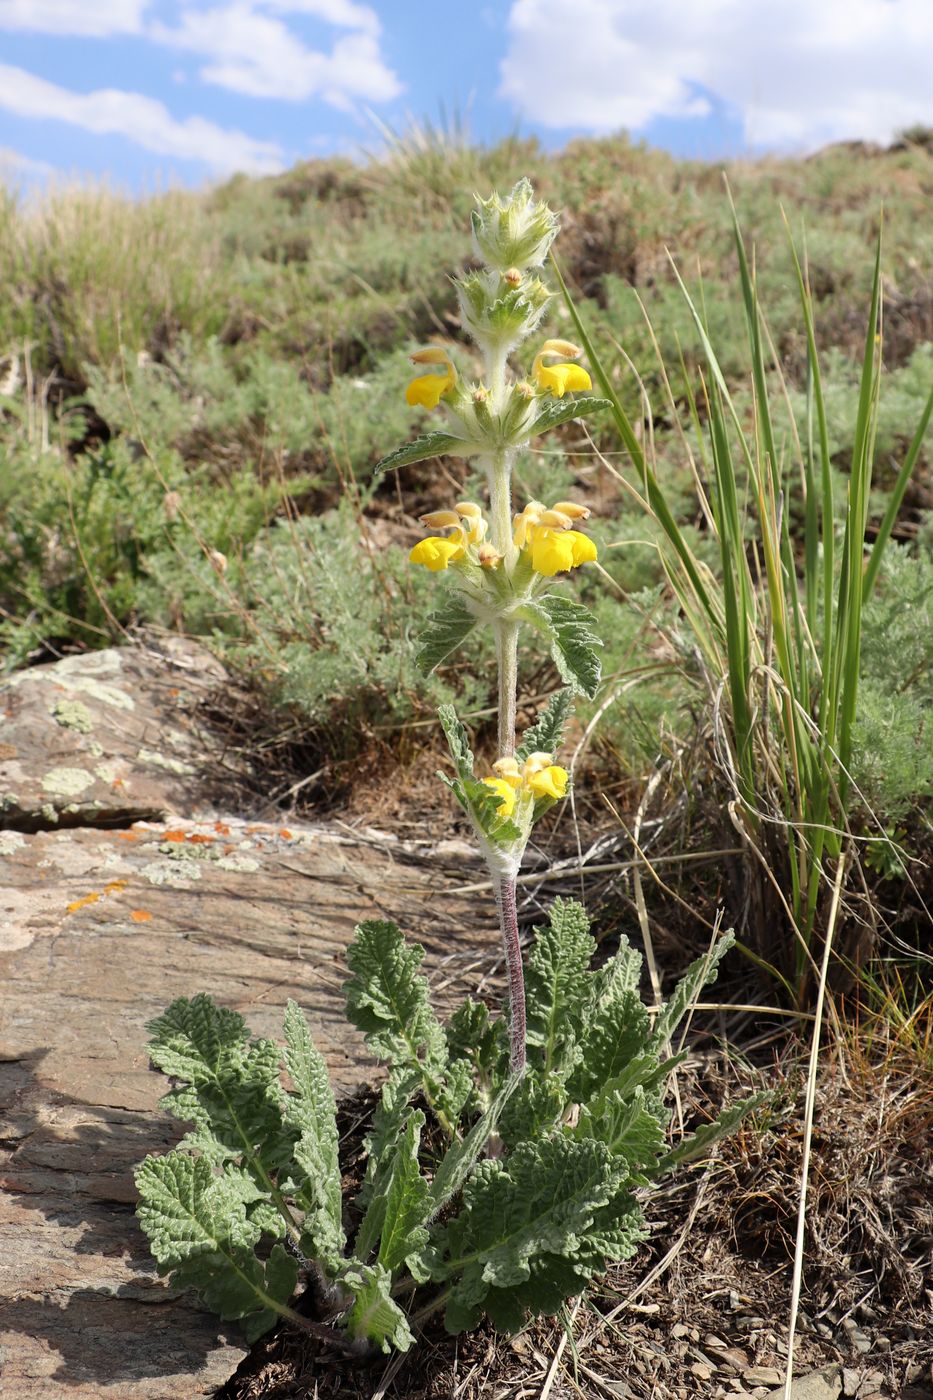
502,567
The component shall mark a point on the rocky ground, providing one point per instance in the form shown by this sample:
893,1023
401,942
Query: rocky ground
127,880
132,871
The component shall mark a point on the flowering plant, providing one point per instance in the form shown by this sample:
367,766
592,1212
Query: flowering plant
541,1132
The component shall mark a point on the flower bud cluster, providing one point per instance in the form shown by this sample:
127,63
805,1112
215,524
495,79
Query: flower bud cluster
514,233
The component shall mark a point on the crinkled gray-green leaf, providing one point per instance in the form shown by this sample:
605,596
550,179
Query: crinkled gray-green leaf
201,1234
430,445
569,628
312,1111
445,630
547,732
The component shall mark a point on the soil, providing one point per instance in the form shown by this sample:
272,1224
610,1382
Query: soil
703,1310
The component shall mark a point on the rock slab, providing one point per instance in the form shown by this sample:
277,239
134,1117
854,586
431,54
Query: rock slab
100,927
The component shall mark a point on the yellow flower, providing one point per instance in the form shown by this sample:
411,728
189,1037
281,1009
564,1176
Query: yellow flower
549,782
563,378
428,389
467,527
537,777
556,551
508,770
439,551
523,523
555,547
504,790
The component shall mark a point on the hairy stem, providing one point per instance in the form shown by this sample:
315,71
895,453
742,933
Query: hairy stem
507,657
508,922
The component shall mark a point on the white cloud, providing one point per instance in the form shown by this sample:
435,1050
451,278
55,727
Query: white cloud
92,18
12,162
141,119
255,53
798,73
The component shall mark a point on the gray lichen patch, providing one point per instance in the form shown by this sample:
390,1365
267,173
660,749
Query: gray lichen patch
72,714
67,782
11,841
242,863
161,760
175,873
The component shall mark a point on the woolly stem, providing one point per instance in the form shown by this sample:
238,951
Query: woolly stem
507,656
508,922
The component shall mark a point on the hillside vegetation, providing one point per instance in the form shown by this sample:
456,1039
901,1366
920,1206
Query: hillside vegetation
195,387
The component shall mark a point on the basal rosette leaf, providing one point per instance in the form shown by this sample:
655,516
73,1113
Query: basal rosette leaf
558,983
201,1234
617,1030
521,1227
699,1143
699,974
389,1001
230,1091
473,1035
407,1199
630,1129
311,1110
373,1315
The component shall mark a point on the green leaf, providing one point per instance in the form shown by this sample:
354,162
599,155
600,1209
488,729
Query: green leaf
231,1091
699,1143
312,1111
547,732
516,1243
407,1201
699,974
374,1316
535,1109
473,1035
430,445
617,1030
200,1234
458,741
558,982
389,1001
568,626
444,631
551,414
627,1127
460,1157
389,1119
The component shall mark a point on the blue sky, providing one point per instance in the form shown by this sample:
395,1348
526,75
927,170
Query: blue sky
144,92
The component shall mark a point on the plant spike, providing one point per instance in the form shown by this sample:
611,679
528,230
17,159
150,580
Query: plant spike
504,1180
502,566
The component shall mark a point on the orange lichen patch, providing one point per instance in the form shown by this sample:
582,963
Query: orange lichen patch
128,835
140,916
196,839
286,834
114,887
222,829
173,836
229,849
83,902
